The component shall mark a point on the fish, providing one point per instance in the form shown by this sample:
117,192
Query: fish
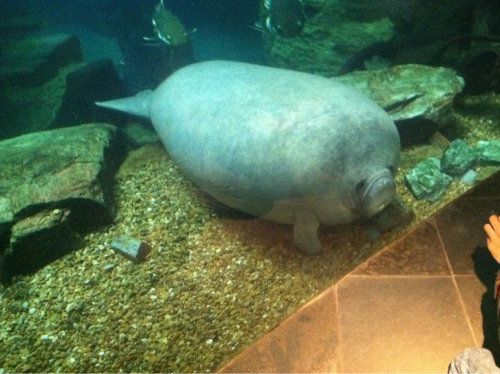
286,17
168,27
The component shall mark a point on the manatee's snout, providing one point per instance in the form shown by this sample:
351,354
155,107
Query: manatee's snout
379,191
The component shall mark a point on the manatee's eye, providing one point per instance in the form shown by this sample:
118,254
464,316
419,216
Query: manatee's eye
391,169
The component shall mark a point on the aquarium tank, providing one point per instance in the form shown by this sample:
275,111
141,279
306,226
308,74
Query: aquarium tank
197,185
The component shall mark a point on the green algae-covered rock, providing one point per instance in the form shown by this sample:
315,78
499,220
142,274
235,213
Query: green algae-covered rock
426,180
489,152
64,100
330,38
458,158
55,184
35,60
45,84
410,91
52,166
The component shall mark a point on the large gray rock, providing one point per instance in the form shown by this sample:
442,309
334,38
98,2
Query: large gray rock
84,86
36,60
409,92
46,85
19,24
55,185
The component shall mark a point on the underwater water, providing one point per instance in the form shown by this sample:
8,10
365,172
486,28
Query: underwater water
216,279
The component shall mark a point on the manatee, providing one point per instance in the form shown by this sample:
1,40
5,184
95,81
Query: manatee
286,146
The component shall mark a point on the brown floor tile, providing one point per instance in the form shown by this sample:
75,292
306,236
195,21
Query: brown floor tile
473,291
482,310
307,341
400,324
461,228
417,253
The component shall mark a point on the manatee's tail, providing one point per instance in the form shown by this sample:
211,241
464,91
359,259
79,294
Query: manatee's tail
137,105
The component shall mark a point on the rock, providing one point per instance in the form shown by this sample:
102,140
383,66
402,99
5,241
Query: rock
131,248
19,24
140,134
29,109
65,100
47,85
473,360
458,158
346,35
447,33
427,181
330,38
410,91
36,60
55,184
85,85
489,152
469,177
439,140
396,214
38,240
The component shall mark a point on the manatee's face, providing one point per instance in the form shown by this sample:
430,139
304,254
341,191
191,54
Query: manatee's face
376,192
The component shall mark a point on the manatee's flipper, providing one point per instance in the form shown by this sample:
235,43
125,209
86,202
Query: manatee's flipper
305,233
137,105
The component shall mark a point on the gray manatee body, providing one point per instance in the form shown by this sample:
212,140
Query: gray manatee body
282,145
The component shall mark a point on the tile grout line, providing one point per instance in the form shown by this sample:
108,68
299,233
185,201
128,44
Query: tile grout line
350,274
340,353
453,278
399,276
375,255
335,287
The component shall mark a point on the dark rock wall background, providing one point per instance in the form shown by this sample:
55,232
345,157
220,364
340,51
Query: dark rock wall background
341,36
119,26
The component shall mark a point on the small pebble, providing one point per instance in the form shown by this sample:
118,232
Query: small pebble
70,307
134,249
109,267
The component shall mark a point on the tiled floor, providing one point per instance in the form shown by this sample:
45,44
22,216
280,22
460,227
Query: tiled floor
410,308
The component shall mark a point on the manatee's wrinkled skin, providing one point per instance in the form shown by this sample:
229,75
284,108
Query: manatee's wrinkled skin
286,146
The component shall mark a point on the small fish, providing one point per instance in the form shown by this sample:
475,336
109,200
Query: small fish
168,27
286,17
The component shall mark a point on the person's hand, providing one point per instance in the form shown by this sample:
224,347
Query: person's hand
493,241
